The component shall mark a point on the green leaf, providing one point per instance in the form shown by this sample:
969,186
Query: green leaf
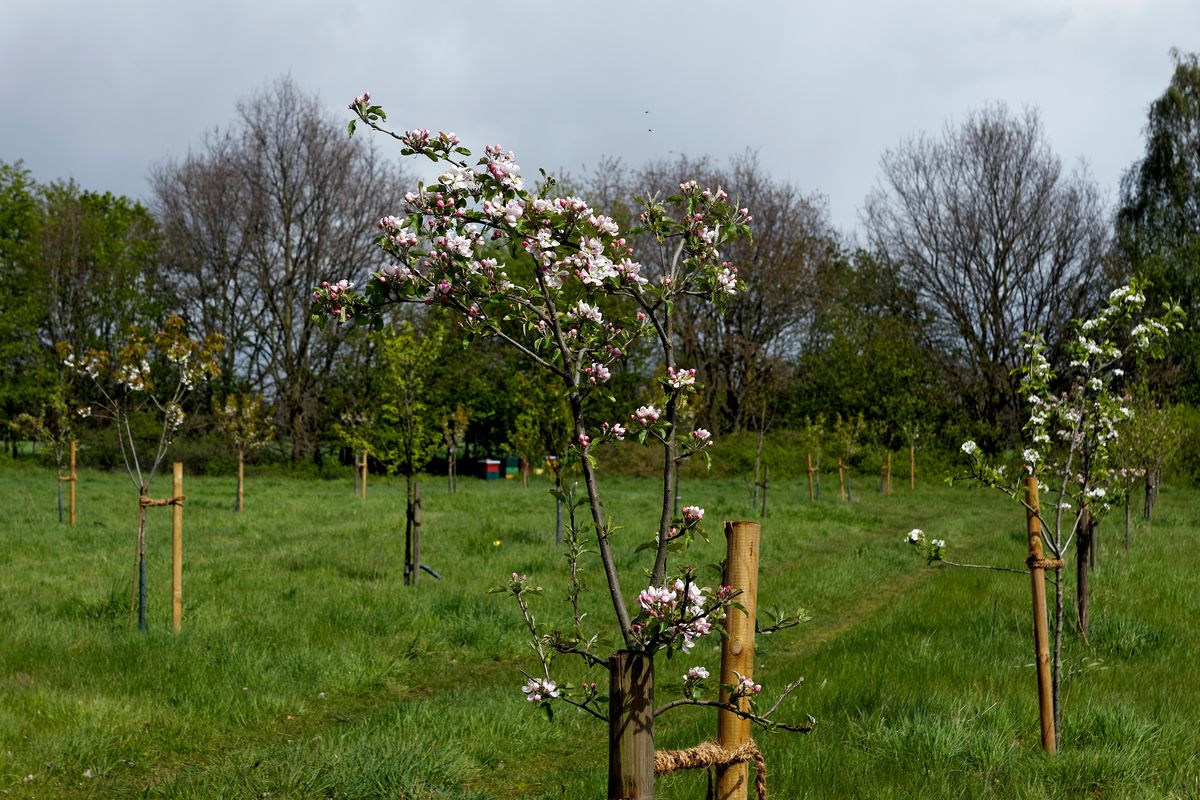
350,128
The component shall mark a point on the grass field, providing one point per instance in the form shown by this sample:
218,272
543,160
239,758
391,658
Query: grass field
306,670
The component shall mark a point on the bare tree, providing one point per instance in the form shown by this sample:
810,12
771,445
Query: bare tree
265,212
204,209
996,240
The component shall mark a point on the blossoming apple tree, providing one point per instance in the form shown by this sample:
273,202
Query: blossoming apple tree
52,426
1069,478
245,420
559,282
152,377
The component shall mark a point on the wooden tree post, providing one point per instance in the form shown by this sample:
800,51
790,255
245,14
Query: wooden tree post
73,478
362,483
912,467
737,651
177,548
241,478
1041,628
630,726
811,488
887,475
841,479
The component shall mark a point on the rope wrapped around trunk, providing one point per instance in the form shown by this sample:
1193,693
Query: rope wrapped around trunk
1045,563
146,502
711,754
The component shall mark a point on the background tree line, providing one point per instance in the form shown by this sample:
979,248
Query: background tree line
972,235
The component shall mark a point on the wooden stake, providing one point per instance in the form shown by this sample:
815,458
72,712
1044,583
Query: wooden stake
362,483
630,726
887,475
912,467
74,477
1041,628
177,548
241,479
811,488
841,479
737,651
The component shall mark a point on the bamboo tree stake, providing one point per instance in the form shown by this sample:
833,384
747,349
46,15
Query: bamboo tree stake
177,547
1041,628
630,726
737,650
811,492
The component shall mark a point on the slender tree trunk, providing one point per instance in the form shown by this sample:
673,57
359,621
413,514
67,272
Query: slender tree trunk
408,527
1059,619
416,533
138,588
1128,523
558,508
1151,494
1083,548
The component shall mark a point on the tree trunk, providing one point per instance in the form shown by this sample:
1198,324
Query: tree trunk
1151,494
1083,548
1128,523
416,534
1060,616
408,527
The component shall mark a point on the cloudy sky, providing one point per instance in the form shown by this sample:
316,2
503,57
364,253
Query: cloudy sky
100,92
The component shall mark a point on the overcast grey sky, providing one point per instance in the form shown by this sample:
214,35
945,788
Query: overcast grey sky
99,92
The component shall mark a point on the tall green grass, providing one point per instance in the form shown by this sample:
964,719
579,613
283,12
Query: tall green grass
307,670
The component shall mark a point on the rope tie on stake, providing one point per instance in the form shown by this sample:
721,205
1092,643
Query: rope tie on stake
1044,563
146,502
710,754
67,478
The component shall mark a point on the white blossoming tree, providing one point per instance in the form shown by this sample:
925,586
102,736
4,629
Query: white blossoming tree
146,376
558,281
1075,417
54,427
245,420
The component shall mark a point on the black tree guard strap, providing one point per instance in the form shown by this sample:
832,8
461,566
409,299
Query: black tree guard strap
711,754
